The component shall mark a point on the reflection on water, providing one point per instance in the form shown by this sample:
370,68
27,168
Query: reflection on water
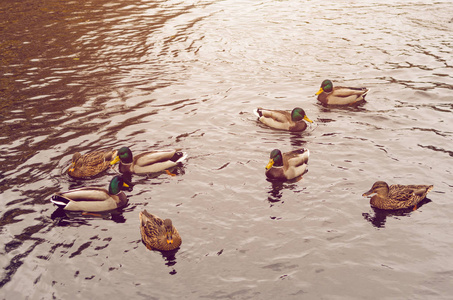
170,260
72,218
380,216
85,75
278,187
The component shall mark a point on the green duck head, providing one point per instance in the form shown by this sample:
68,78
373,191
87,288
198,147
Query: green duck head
125,155
169,230
276,159
326,86
116,185
379,187
299,114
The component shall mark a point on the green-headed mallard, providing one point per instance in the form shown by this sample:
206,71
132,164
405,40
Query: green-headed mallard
90,164
158,234
284,120
147,162
339,95
93,199
396,196
288,165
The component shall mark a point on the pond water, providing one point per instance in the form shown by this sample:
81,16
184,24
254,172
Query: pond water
84,75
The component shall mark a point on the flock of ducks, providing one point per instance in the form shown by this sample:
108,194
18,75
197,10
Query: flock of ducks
158,234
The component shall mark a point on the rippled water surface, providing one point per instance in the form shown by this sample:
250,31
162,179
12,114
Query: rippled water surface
83,75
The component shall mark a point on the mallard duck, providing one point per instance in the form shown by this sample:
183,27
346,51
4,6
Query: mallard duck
288,165
93,199
396,196
339,95
147,162
158,234
284,120
90,164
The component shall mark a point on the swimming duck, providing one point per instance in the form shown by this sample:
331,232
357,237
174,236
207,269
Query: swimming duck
147,162
288,165
339,95
158,234
284,120
90,164
396,196
93,199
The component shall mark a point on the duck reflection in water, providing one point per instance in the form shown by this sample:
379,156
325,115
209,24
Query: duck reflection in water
78,218
379,217
170,259
275,193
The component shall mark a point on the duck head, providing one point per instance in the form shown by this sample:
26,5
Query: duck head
276,159
298,114
124,155
381,188
326,86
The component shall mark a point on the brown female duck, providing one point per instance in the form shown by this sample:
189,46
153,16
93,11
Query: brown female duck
90,164
396,196
158,234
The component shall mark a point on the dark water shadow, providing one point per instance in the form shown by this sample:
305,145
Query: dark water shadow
358,106
297,140
275,192
76,219
379,217
169,258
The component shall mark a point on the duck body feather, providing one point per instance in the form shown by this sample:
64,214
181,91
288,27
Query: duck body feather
93,199
397,196
340,95
158,234
149,162
343,96
89,199
90,164
281,119
292,165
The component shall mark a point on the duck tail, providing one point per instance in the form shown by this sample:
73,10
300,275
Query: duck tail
257,112
366,92
59,200
304,155
179,157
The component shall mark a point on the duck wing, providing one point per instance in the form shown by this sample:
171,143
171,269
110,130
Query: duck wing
152,157
296,157
341,91
278,115
84,194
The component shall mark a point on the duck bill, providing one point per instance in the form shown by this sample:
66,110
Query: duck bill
368,193
114,161
320,91
125,184
270,164
307,119
169,238
72,167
